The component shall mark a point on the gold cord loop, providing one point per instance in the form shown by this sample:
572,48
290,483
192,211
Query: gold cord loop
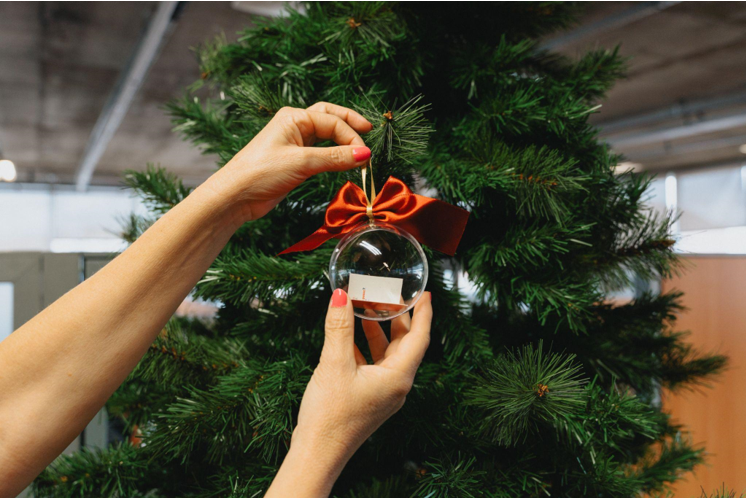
370,198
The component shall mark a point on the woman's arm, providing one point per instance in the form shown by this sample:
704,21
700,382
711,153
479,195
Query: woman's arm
59,369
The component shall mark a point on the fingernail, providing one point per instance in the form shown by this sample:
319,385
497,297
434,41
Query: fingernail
431,295
361,153
339,298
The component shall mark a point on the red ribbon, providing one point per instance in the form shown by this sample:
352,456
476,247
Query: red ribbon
434,223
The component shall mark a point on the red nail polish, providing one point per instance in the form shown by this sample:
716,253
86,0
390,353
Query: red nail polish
361,154
431,295
339,298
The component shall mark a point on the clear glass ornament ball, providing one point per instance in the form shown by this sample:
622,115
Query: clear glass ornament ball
382,268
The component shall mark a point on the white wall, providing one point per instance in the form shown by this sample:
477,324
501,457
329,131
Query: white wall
59,219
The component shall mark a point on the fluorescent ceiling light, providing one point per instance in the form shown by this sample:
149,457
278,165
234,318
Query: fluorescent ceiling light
267,9
7,171
87,245
626,166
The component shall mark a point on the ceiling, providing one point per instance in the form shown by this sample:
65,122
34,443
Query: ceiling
682,105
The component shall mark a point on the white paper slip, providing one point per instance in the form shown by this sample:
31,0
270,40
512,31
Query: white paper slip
375,289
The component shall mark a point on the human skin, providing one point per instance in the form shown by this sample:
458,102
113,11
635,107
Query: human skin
59,368
347,399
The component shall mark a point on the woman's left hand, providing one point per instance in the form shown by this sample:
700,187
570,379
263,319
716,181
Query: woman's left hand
347,399
280,157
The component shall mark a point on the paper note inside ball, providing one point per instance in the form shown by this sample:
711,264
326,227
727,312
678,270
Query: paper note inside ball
376,293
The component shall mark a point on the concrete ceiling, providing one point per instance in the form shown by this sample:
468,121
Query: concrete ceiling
60,61
686,79
682,105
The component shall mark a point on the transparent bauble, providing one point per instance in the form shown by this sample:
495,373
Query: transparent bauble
382,268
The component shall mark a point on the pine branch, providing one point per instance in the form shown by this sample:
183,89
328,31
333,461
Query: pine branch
133,226
463,342
539,180
723,492
448,477
533,246
391,487
399,134
250,408
522,390
373,25
645,251
256,99
159,189
611,424
253,276
489,66
210,127
121,470
181,357
666,465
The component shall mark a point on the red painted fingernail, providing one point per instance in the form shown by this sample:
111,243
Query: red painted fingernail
339,298
431,295
361,154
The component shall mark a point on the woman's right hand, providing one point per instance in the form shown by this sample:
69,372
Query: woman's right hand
347,399
281,157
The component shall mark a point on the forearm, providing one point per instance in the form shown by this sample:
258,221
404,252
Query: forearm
307,472
60,367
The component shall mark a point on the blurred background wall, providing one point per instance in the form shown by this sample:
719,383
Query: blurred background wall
82,87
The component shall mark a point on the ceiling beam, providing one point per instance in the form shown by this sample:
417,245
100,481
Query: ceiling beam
124,92
669,150
639,11
642,138
681,110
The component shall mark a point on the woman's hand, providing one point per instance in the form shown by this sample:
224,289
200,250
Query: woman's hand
280,158
347,399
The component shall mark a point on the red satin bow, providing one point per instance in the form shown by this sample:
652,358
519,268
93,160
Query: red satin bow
434,223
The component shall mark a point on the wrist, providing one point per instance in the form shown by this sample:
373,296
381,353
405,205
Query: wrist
307,472
228,201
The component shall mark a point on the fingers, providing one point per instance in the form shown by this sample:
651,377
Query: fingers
320,159
355,120
339,337
413,344
359,358
400,325
331,127
324,121
377,341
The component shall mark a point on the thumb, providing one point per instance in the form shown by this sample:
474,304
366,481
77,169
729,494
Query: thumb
339,338
341,158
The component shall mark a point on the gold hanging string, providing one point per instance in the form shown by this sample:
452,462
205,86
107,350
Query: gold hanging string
370,198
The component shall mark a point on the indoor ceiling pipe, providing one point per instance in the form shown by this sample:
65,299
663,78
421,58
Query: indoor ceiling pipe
647,137
667,150
124,92
680,110
639,11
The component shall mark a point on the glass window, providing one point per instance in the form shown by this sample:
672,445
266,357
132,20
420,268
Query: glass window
711,198
6,309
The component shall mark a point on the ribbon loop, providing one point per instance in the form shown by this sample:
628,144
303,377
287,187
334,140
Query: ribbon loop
434,223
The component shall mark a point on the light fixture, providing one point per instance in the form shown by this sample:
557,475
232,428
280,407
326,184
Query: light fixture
742,149
626,166
7,170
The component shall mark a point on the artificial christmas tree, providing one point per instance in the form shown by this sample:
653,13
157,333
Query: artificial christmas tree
533,386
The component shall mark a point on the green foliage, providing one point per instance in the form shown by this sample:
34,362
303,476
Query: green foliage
467,107
723,492
522,390
159,189
115,472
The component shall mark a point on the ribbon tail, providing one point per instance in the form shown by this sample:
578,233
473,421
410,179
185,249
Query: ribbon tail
437,224
311,242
